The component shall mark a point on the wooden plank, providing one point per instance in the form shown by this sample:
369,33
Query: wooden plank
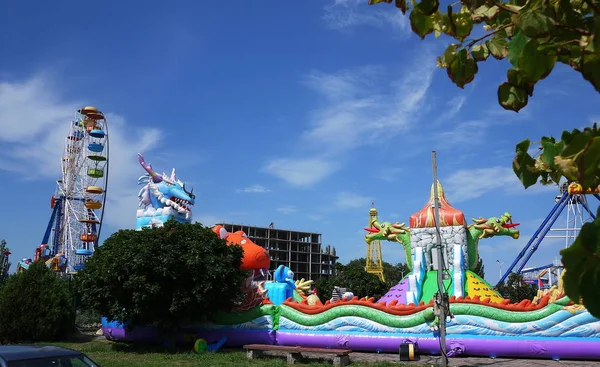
291,349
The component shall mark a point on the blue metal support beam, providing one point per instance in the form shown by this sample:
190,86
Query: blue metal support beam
559,205
534,242
537,269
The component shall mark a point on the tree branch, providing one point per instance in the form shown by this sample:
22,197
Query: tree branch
582,31
504,7
470,44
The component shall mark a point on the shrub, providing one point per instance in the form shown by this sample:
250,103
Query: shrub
35,305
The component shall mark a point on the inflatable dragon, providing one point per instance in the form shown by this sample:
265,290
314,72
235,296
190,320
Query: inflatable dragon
481,228
162,198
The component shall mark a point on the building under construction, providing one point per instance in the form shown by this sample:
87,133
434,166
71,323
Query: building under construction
300,251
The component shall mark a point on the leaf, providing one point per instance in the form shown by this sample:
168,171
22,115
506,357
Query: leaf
516,78
534,23
480,52
590,160
576,142
439,23
590,68
428,7
497,45
448,56
373,2
534,64
420,23
515,48
596,33
485,12
402,5
462,69
582,268
551,150
522,164
511,97
463,25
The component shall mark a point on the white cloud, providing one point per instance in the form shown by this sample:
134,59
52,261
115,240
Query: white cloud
470,184
301,172
348,200
361,107
34,121
464,133
255,189
343,14
315,217
287,209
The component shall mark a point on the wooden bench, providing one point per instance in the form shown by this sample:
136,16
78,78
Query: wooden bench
294,354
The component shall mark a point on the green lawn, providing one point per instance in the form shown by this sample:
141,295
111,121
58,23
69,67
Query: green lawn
109,354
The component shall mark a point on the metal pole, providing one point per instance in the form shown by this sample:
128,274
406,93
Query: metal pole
500,266
440,263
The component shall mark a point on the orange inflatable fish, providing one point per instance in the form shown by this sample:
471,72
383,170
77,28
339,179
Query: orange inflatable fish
255,257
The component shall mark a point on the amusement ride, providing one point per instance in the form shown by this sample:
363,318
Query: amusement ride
78,205
571,209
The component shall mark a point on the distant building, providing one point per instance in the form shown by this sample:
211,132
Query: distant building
300,251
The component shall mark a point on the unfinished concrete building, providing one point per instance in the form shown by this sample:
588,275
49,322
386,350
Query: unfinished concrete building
300,251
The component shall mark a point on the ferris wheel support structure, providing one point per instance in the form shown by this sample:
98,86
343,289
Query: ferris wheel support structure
75,225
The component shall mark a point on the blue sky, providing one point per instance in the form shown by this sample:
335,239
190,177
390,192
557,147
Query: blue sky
301,114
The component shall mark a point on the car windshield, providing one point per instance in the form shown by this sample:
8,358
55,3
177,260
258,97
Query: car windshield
76,361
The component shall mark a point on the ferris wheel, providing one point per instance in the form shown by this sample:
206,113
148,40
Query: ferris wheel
78,204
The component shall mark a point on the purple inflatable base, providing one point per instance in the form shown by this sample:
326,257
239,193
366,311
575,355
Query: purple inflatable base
543,348
481,346
234,337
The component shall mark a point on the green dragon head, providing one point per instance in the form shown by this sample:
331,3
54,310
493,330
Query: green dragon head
494,226
385,231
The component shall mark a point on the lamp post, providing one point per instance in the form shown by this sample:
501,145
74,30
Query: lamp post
500,267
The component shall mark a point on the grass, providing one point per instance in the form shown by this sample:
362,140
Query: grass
109,354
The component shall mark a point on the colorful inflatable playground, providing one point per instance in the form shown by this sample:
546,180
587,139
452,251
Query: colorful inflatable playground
284,311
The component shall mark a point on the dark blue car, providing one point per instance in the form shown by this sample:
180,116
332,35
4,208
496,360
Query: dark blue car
42,356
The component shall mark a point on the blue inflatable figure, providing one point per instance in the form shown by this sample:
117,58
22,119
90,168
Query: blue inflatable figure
283,287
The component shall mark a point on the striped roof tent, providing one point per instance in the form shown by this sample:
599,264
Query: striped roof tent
449,216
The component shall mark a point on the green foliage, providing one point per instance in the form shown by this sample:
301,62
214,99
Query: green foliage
576,157
394,273
171,276
35,305
480,269
354,277
533,35
4,263
582,264
516,289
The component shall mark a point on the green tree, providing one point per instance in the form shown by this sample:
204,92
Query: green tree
533,35
516,289
4,263
394,273
354,277
171,276
480,269
35,305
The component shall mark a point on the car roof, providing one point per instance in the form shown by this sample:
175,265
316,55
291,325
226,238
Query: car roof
20,352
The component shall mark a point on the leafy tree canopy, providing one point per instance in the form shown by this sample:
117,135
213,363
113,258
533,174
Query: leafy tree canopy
354,277
480,269
35,305
533,35
171,276
4,264
516,289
